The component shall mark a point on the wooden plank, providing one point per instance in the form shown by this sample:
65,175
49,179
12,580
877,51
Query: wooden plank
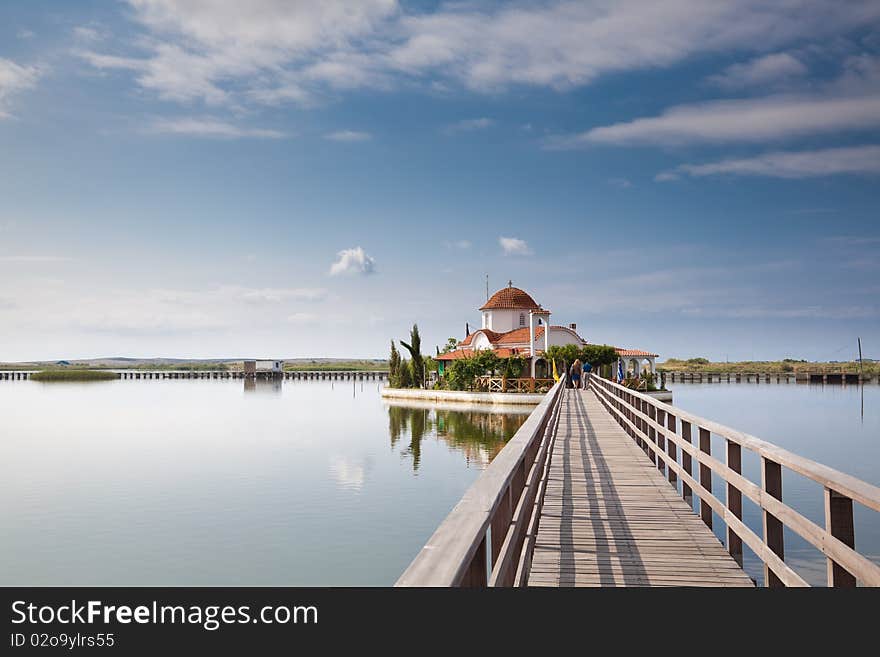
610,517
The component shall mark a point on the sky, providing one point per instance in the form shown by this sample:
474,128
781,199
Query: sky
195,178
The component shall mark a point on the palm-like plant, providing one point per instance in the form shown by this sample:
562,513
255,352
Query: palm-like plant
415,350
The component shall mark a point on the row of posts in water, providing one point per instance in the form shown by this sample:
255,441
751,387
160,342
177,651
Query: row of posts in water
165,374
735,377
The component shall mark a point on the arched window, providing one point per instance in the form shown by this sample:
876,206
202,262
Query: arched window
522,319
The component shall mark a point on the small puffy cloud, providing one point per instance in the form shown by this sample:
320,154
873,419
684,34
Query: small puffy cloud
348,135
468,125
353,261
211,128
620,183
514,246
459,244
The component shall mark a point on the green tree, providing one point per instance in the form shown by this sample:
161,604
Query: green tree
461,372
598,354
415,350
394,367
451,345
405,375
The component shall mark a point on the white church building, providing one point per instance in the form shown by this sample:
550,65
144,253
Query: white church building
514,324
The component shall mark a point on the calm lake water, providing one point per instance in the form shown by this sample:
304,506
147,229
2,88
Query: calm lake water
836,425
316,483
210,482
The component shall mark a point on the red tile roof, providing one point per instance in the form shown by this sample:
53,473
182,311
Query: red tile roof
634,352
503,352
517,336
455,355
511,298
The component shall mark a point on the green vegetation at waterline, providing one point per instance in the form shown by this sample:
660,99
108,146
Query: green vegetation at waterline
597,355
462,373
338,366
74,375
785,366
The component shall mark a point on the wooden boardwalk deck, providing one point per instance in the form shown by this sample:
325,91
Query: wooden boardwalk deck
610,517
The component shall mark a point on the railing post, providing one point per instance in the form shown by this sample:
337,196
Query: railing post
659,417
672,449
705,476
686,463
734,501
648,409
839,523
771,482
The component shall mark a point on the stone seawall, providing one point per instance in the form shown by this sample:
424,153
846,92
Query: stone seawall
504,398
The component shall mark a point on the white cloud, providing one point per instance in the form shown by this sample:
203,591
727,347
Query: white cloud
14,79
210,127
33,258
353,261
468,125
279,295
760,71
620,183
514,246
24,33
747,120
348,135
71,307
458,244
570,43
272,51
86,33
863,160
302,319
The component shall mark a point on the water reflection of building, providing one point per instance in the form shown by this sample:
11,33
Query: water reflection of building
263,385
478,434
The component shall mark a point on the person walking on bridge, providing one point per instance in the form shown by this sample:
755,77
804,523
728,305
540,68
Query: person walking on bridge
575,374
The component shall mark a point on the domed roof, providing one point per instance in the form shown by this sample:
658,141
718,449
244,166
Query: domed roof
511,298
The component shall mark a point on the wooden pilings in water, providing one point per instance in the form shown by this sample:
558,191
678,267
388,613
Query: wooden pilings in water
765,377
138,375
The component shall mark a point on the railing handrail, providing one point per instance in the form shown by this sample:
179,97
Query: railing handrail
652,424
451,557
853,487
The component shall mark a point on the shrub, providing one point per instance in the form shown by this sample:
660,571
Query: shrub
74,375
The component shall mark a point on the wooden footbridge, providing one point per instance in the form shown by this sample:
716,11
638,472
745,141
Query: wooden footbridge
597,488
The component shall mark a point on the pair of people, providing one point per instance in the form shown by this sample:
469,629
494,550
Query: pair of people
577,372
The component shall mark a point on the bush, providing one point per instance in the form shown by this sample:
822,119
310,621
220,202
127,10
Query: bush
461,373
74,375
698,361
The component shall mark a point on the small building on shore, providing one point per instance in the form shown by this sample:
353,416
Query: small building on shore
263,368
514,324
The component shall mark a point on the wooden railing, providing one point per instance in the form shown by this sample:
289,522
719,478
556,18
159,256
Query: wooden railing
663,431
489,383
487,539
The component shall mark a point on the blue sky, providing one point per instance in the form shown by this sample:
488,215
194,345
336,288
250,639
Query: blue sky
213,179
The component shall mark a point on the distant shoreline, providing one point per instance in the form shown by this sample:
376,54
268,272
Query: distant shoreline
202,364
768,367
